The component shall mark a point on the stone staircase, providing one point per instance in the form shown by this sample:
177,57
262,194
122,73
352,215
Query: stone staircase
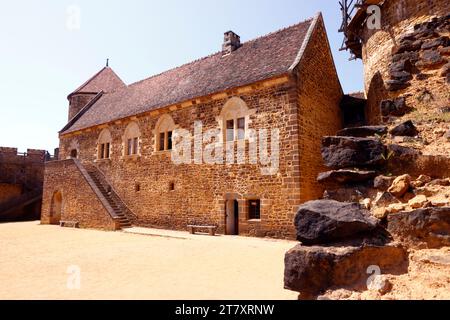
121,211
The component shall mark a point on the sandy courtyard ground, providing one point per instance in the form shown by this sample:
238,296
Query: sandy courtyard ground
34,262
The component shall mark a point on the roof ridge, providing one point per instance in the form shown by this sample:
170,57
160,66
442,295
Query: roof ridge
89,80
218,52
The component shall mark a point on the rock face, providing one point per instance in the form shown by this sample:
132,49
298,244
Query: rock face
325,221
396,107
430,226
418,201
400,185
383,183
362,132
345,152
312,270
384,199
407,129
346,176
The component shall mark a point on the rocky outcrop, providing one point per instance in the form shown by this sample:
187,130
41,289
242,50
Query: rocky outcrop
406,128
313,270
382,182
325,221
346,176
426,226
396,107
421,49
345,152
363,132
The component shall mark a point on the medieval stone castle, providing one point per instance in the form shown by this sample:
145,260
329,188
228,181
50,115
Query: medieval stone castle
115,166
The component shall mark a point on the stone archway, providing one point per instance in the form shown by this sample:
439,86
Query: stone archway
56,208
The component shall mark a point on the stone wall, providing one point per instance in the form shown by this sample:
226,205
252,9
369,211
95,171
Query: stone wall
319,96
427,86
79,202
9,192
24,169
200,190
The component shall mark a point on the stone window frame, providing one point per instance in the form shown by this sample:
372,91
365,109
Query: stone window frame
131,141
166,125
233,110
104,145
248,200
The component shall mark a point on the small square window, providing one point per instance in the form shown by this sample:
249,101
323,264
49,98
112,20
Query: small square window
254,209
172,186
107,151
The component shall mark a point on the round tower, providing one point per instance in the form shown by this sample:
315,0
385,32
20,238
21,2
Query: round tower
106,80
404,46
77,101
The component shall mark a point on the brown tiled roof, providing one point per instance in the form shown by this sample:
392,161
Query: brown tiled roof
256,60
105,80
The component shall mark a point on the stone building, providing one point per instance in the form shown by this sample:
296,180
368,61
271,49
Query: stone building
404,46
116,167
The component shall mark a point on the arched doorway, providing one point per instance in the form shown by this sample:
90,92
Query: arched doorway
56,208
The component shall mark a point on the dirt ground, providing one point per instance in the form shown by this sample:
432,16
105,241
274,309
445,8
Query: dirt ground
41,262
428,278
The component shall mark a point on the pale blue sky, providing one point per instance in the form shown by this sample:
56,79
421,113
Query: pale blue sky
42,61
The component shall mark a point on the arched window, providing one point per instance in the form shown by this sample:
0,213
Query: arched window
234,119
163,133
131,139
104,145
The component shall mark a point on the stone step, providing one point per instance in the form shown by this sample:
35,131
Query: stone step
364,131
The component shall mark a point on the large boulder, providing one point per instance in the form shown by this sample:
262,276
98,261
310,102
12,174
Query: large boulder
313,270
429,226
364,131
347,152
327,221
346,176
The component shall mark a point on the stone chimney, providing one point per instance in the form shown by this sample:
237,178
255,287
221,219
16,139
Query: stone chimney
231,42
